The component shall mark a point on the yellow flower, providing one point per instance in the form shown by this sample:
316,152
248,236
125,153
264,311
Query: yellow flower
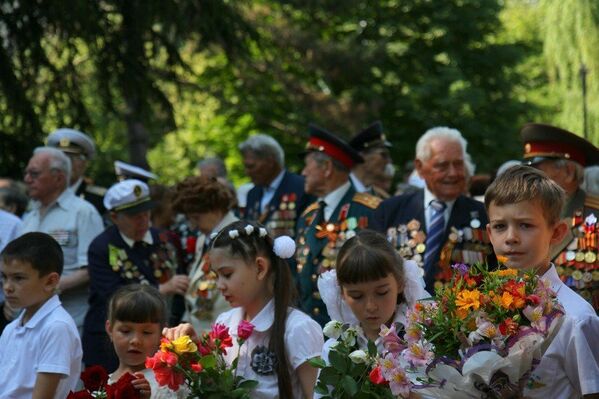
506,273
184,344
468,299
507,300
502,259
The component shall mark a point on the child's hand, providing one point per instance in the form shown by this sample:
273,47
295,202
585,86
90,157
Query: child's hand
142,385
179,331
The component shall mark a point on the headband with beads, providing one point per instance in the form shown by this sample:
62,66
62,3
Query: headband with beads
283,246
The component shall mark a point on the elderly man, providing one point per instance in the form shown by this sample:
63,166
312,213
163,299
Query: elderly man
128,252
70,220
327,223
437,226
376,173
562,155
277,198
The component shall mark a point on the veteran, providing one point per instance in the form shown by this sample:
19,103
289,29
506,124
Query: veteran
562,155
437,226
336,216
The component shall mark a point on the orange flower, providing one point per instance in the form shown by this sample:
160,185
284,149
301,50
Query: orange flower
468,299
506,273
502,259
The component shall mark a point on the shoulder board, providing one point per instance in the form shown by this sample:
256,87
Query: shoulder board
379,192
591,201
313,206
367,200
95,190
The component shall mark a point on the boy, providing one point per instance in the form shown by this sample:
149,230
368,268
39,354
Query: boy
40,349
524,208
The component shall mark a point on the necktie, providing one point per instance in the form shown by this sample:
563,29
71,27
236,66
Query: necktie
434,237
319,218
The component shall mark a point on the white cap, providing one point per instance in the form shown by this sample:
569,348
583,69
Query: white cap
72,141
129,196
127,170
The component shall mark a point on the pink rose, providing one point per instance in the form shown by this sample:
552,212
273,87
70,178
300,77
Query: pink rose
244,330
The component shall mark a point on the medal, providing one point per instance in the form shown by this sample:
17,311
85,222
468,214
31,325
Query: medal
590,257
413,224
570,256
291,206
579,256
475,223
577,275
420,248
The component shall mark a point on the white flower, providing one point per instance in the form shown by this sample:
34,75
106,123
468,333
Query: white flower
249,229
333,329
358,356
284,247
349,336
233,234
262,232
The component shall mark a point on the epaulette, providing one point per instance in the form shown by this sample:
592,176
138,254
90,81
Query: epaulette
367,200
380,193
591,201
313,206
97,190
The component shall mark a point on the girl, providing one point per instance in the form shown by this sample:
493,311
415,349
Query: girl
254,278
136,316
371,286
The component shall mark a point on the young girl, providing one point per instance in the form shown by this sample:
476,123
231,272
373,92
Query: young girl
254,278
371,286
136,316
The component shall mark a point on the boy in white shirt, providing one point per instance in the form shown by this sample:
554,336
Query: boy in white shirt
524,208
40,350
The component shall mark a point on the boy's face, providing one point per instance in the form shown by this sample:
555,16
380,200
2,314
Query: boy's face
24,287
521,233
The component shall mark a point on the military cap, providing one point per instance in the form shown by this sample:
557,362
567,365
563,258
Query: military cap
126,170
371,137
322,141
128,196
72,141
543,142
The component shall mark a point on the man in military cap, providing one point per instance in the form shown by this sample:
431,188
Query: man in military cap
562,155
80,148
124,170
277,198
129,251
336,216
437,226
375,174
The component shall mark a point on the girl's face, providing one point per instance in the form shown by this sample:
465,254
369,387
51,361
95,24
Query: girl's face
373,302
133,342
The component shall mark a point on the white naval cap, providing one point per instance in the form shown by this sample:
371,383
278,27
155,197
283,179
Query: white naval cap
128,196
127,170
72,141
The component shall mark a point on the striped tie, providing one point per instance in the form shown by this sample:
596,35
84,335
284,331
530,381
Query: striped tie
434,238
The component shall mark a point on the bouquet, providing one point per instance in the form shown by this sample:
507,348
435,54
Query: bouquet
95,381
201,366
482,335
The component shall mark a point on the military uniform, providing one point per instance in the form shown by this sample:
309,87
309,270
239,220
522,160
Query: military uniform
576,257
92,194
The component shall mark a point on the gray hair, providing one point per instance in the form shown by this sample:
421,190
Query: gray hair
58,161
321,158
578,168
591,180
423,146
262,145
216,161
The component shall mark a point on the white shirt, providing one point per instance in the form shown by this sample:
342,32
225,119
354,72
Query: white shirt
428,209
47,343
147,238
303,341
269,192
570,366
74,223
333,199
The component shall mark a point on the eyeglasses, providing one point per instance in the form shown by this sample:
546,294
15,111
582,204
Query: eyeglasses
34,174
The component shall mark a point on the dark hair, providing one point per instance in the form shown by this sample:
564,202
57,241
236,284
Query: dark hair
198,194
12,196
524,183
248,247
40,250
368,256
137,303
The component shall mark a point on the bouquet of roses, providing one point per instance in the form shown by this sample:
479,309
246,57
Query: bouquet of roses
482,334
201,365
355,373
95,381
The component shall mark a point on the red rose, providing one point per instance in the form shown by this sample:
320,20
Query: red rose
123,389
244,329
376,376
80,395
94,378
196,367
220,332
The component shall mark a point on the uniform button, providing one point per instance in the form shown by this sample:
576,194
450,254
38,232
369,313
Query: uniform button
314,278
316,295
316,311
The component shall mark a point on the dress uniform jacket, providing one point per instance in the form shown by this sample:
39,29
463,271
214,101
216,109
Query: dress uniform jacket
92,194
402,219
281,214
318,245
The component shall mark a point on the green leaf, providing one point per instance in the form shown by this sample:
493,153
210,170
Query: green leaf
317,362
321,388
349,385
248,384
372,351
329,376
208,362
338,361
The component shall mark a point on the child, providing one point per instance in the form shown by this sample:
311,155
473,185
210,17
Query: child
372,286
40,350
136,316
524,208
254,278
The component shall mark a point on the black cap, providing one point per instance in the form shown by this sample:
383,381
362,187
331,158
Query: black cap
328,143
371,137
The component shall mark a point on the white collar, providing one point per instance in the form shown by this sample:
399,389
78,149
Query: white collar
428,197
52,303
75,186
334,197
276,182
261,322
358,185
552,276
147,239
63,201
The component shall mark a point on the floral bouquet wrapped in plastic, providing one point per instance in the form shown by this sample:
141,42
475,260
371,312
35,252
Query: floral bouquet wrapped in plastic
201,366
482,335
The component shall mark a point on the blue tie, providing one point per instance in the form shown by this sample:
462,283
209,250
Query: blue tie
434,237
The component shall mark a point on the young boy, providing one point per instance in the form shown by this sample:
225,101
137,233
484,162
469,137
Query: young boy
40,350
524,208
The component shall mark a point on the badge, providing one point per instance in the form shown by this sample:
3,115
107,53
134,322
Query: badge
137,191
330,227
570,256
453,237
587,277
590,257
283,206
420,248
413,224
475,223
577,275
579,256
352,223
291,206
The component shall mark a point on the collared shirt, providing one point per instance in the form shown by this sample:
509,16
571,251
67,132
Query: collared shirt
333,199
75,186
47,343
303,341
358,185
147,239
428,209
73,223
269,192
569,367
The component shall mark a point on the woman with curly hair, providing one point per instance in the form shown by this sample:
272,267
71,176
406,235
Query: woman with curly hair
207,204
